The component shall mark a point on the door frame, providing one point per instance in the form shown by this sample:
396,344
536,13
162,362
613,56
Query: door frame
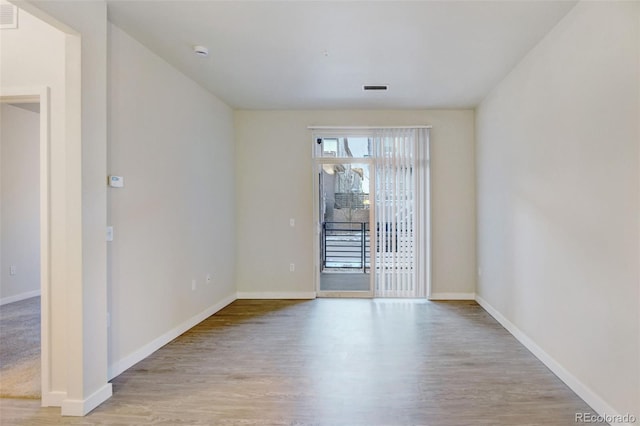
40,95
368,131
318,162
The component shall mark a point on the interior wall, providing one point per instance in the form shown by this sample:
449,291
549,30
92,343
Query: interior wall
77,308
19,203
274,182
174,219
558,207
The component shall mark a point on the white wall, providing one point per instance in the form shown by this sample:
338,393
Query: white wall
174,220
558,208
275,183
72,63
19,203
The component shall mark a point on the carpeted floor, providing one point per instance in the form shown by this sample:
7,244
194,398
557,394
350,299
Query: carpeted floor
20,349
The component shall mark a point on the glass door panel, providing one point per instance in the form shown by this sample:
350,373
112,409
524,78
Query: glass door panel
345,216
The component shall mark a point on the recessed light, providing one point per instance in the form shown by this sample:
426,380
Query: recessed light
201,50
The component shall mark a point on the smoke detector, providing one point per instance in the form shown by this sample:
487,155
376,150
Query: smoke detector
201,51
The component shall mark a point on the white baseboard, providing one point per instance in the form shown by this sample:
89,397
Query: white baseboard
75,407
125,363
53,399
19,297
452,296
596,402
277,295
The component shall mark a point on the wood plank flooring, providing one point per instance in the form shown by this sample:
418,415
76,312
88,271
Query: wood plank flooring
333,362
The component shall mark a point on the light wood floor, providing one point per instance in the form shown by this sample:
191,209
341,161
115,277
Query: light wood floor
333,362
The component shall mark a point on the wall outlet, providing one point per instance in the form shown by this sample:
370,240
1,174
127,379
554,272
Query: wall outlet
208,278
194,285
12,270
292,267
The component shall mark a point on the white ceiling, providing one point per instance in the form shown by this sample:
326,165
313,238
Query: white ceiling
319,54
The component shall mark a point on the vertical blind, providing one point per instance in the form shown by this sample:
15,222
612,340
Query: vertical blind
401,200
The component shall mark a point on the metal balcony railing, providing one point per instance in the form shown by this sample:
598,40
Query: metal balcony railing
345,245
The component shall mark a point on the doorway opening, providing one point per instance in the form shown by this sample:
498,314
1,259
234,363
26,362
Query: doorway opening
24,236
345,213
372,212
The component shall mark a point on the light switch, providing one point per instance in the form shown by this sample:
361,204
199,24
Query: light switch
292,222
109,233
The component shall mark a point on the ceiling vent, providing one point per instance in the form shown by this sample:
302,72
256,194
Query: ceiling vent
378,87
8,16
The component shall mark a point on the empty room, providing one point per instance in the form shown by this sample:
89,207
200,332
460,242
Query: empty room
320,212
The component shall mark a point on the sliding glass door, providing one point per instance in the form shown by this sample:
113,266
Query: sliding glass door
373,213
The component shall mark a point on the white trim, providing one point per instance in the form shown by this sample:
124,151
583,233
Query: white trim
21,94
45,241
452,296
638,159
77,407
53,399
420,126
275,295
118,367
19,297
583,391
